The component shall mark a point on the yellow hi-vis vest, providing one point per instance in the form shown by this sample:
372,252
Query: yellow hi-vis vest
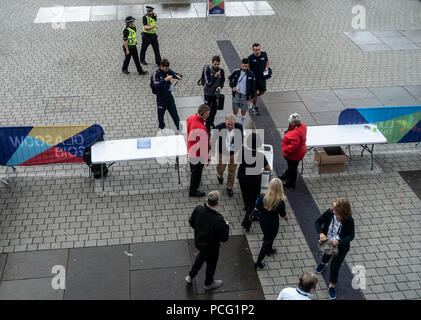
151,22
132,38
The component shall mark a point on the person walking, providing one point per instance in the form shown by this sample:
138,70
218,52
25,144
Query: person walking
214,78
259,64
270,206
337,225
149,36
210,229
243,84
230,140
250,175
305,290
129,46
293,148
197,147
161,82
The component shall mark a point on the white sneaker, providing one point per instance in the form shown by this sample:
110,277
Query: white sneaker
214,285
188,279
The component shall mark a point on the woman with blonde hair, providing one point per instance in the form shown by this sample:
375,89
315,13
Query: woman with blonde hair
337,225
270,206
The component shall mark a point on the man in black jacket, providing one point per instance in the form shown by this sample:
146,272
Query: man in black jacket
229,135
210,228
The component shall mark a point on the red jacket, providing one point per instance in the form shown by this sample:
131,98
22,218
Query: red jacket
196,130
294,142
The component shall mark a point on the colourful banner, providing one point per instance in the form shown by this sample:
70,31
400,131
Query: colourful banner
398,124
30,146
216,7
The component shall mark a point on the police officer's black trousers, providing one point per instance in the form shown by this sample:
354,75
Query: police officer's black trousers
172,110
250,190
210,255
150,39
212,103
132,53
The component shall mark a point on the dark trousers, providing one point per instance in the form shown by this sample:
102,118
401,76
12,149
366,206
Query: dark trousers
266,247
291,172
335,264
209,255
211,102
132,53
250,190
172,109
196,176
150,39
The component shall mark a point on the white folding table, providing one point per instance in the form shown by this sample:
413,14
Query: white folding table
345,135
104,152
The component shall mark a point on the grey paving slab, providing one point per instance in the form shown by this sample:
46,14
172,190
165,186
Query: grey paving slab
281,111
233,295
326,118
400,43
164,254
362,37
394,96
98,273
129,10
320,100
183,102
374,47
161,284
278,97
353,93
77,14
386,33
413,179
413,35
34,264
414,90
29,289
101,13
235,267
361,103
3,258
183,11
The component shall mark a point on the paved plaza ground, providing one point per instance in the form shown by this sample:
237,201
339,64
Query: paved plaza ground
56,214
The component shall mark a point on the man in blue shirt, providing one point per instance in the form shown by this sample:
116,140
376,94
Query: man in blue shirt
259,64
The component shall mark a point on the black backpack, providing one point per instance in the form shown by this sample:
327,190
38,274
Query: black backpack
152,86
201,81
95,168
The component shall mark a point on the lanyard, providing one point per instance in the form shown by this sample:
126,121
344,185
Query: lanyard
303,294
239,80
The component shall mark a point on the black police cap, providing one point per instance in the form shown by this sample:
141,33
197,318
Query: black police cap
149,8
129,19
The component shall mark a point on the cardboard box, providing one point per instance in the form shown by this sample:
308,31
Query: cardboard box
329,159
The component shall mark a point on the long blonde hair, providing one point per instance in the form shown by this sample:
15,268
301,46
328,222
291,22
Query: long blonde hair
274,194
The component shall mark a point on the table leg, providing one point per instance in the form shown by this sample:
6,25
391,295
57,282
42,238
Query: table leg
372,156
102,177
349,151
178,168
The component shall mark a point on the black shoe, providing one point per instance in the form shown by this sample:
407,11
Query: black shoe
144,63
197,194
246,229
288,185
271,251
126,72
143,72
230,193
261,265
220,180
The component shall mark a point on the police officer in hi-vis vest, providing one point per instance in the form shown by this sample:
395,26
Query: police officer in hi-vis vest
149,36
129,47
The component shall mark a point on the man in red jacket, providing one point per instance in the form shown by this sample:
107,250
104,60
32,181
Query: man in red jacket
293,148
197,147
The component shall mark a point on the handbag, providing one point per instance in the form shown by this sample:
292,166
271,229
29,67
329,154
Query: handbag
327,248
268,75
254,215
221,101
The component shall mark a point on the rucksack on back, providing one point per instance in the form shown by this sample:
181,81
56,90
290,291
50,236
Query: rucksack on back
201,81
152,86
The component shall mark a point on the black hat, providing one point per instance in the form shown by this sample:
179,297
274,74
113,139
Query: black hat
149,8
129,19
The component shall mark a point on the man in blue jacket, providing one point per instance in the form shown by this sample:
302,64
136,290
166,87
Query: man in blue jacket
243,84
161,86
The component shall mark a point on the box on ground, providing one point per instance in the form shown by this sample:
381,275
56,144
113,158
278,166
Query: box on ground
329,159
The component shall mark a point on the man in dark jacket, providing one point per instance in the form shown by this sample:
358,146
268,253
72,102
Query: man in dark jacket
161,82
243,84
229,135
259,64
210,228
214,78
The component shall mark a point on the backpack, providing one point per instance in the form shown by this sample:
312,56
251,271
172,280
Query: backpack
201,81
95,168
152,86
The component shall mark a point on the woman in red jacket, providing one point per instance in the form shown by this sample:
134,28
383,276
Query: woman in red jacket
293,148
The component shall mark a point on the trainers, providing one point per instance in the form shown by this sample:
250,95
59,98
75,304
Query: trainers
126,72
261,265
142,73
188,279
256,111
214,285
332,293
321,267
144,63
230,193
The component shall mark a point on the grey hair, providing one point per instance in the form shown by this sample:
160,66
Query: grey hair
230,117
294,118
213,198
